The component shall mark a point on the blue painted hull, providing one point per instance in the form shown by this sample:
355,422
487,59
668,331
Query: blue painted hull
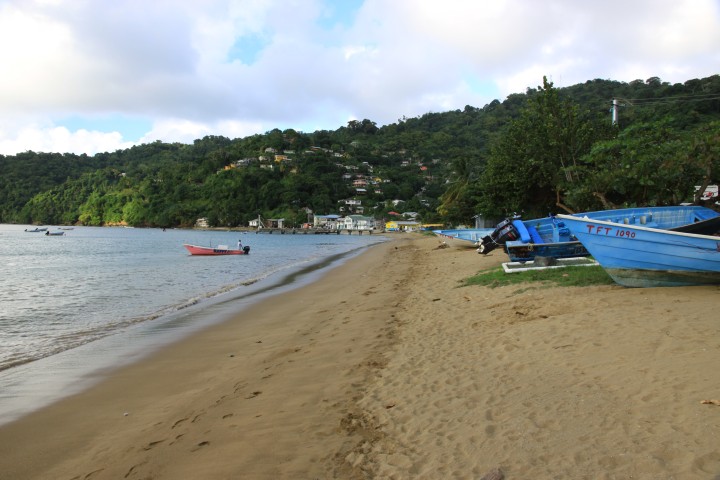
469,235
550,237
526,252
639,256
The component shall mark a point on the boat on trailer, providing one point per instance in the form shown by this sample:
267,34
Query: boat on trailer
217,250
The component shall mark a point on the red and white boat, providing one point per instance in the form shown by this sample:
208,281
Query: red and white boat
217,250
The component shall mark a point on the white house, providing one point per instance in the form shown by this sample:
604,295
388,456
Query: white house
357,222
329,222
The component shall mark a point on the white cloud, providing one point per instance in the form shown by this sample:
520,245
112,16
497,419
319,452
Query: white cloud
61,140
172,63
186,131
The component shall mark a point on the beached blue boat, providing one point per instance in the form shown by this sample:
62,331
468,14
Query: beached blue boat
523,240
638,255
471,236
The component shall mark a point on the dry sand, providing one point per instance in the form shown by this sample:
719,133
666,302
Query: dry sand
386,368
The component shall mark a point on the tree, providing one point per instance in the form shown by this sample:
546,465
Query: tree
457,203
536,144
364,126
648,164
705,152
535,159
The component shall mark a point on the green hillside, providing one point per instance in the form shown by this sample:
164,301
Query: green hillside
546,150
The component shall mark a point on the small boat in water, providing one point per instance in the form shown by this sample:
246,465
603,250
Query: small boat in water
36,229
523,240
217,250
636,255
54,234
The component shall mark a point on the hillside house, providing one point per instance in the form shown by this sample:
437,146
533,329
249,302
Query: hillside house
402,226
328,222
275,223
357,223
351,202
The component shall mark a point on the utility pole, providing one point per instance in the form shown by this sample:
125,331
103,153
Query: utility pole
614,111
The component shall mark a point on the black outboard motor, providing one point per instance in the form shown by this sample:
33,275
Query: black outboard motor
246,249
503,232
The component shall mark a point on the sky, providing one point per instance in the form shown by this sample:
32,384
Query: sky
89,76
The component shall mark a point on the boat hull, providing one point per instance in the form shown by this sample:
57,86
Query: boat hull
661,278
527,252
549,236
638,256
466,235
214,251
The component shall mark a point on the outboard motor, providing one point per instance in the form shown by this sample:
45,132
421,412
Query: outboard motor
246,249
504,231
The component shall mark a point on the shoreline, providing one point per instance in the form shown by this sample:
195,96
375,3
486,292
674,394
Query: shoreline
280,359
384,368
32,385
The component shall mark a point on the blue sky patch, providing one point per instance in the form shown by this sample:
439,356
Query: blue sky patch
339,13
484,88
247,49
132,129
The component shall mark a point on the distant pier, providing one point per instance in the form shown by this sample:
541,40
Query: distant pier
312,231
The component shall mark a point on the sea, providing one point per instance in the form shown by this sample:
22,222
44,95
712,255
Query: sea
76,306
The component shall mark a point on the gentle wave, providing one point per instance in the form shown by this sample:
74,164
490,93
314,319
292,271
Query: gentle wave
59,293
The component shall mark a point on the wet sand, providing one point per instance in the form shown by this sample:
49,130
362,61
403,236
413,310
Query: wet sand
386,368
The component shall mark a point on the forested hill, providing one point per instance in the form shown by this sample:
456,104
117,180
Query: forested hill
546,150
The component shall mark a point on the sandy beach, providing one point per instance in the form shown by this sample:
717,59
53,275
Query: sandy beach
386,368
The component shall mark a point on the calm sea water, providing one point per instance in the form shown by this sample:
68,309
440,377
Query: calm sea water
69,301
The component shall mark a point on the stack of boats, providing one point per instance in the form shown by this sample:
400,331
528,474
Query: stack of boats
638,247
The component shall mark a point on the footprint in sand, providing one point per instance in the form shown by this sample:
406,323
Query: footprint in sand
179,422
152,445
204,443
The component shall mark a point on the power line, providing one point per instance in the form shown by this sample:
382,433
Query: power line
642,102
683,99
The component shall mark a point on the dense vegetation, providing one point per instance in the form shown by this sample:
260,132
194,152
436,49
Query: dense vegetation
546,150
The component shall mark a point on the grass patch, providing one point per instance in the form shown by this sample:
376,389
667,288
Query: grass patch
563,277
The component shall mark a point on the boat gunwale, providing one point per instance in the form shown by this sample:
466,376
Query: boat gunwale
635,227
